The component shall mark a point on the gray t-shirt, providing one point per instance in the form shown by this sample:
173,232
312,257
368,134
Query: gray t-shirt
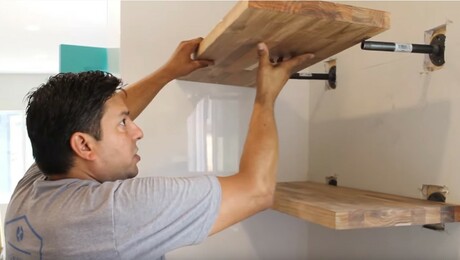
140,218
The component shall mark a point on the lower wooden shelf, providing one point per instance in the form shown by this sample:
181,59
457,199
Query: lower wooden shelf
347,208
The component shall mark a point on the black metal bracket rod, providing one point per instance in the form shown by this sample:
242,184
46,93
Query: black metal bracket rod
435,49
399,47
313,76
330,77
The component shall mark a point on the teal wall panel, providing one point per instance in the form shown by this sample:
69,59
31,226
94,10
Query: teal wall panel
74,58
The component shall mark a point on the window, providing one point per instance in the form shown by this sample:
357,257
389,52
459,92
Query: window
15,152
213,140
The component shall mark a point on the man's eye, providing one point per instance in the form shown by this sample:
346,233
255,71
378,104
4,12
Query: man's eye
123,122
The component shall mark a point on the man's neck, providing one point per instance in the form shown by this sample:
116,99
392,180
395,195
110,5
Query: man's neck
74,173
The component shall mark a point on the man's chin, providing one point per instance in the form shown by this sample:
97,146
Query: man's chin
132,174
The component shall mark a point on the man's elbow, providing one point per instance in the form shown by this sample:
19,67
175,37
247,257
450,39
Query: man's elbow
270,201
267,198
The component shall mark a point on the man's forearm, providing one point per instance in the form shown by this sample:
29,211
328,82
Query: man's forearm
259,159
142,92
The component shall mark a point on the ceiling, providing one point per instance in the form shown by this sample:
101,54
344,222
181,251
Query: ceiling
32,30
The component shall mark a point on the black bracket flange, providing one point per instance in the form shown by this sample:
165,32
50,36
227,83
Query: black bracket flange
439,43
331,77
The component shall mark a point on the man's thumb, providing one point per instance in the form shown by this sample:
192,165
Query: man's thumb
262,51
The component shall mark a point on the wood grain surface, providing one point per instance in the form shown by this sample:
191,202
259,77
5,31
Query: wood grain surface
289,28
347,208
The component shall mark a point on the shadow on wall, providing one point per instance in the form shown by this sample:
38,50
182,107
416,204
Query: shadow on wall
392,243
407,144
275,236
287,237
364,152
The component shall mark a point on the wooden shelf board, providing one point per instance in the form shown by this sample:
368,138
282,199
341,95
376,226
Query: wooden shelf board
347,208
289,28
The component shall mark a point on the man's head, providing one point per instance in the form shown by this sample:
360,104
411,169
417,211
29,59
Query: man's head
65,121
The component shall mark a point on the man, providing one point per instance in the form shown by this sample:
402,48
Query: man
80,200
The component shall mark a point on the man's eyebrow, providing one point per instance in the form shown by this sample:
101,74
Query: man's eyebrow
124,113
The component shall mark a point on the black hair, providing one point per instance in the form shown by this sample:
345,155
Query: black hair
67,103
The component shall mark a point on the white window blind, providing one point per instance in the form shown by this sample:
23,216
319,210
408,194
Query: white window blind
15,152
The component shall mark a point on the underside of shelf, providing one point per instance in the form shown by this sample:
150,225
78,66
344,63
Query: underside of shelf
347,208
288,28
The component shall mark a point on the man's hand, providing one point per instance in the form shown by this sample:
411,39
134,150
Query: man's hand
272,77
181,62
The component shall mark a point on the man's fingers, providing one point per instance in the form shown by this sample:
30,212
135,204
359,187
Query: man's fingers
193,41
191,45
203,63
296,61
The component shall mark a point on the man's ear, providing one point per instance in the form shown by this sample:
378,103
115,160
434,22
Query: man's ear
83,145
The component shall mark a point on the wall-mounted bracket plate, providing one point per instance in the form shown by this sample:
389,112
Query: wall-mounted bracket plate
332,180
332,77
439,42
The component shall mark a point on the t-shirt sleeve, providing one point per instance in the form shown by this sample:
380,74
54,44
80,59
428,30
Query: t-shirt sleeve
155,215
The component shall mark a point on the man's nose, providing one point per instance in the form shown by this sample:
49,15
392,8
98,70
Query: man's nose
137,132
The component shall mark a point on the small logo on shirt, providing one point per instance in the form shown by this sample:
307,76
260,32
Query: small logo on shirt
19,234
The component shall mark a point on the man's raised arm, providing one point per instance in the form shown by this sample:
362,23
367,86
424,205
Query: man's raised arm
142,92
252,188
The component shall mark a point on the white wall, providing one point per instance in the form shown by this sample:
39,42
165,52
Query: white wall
150,31
388,127
391,127
15,87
